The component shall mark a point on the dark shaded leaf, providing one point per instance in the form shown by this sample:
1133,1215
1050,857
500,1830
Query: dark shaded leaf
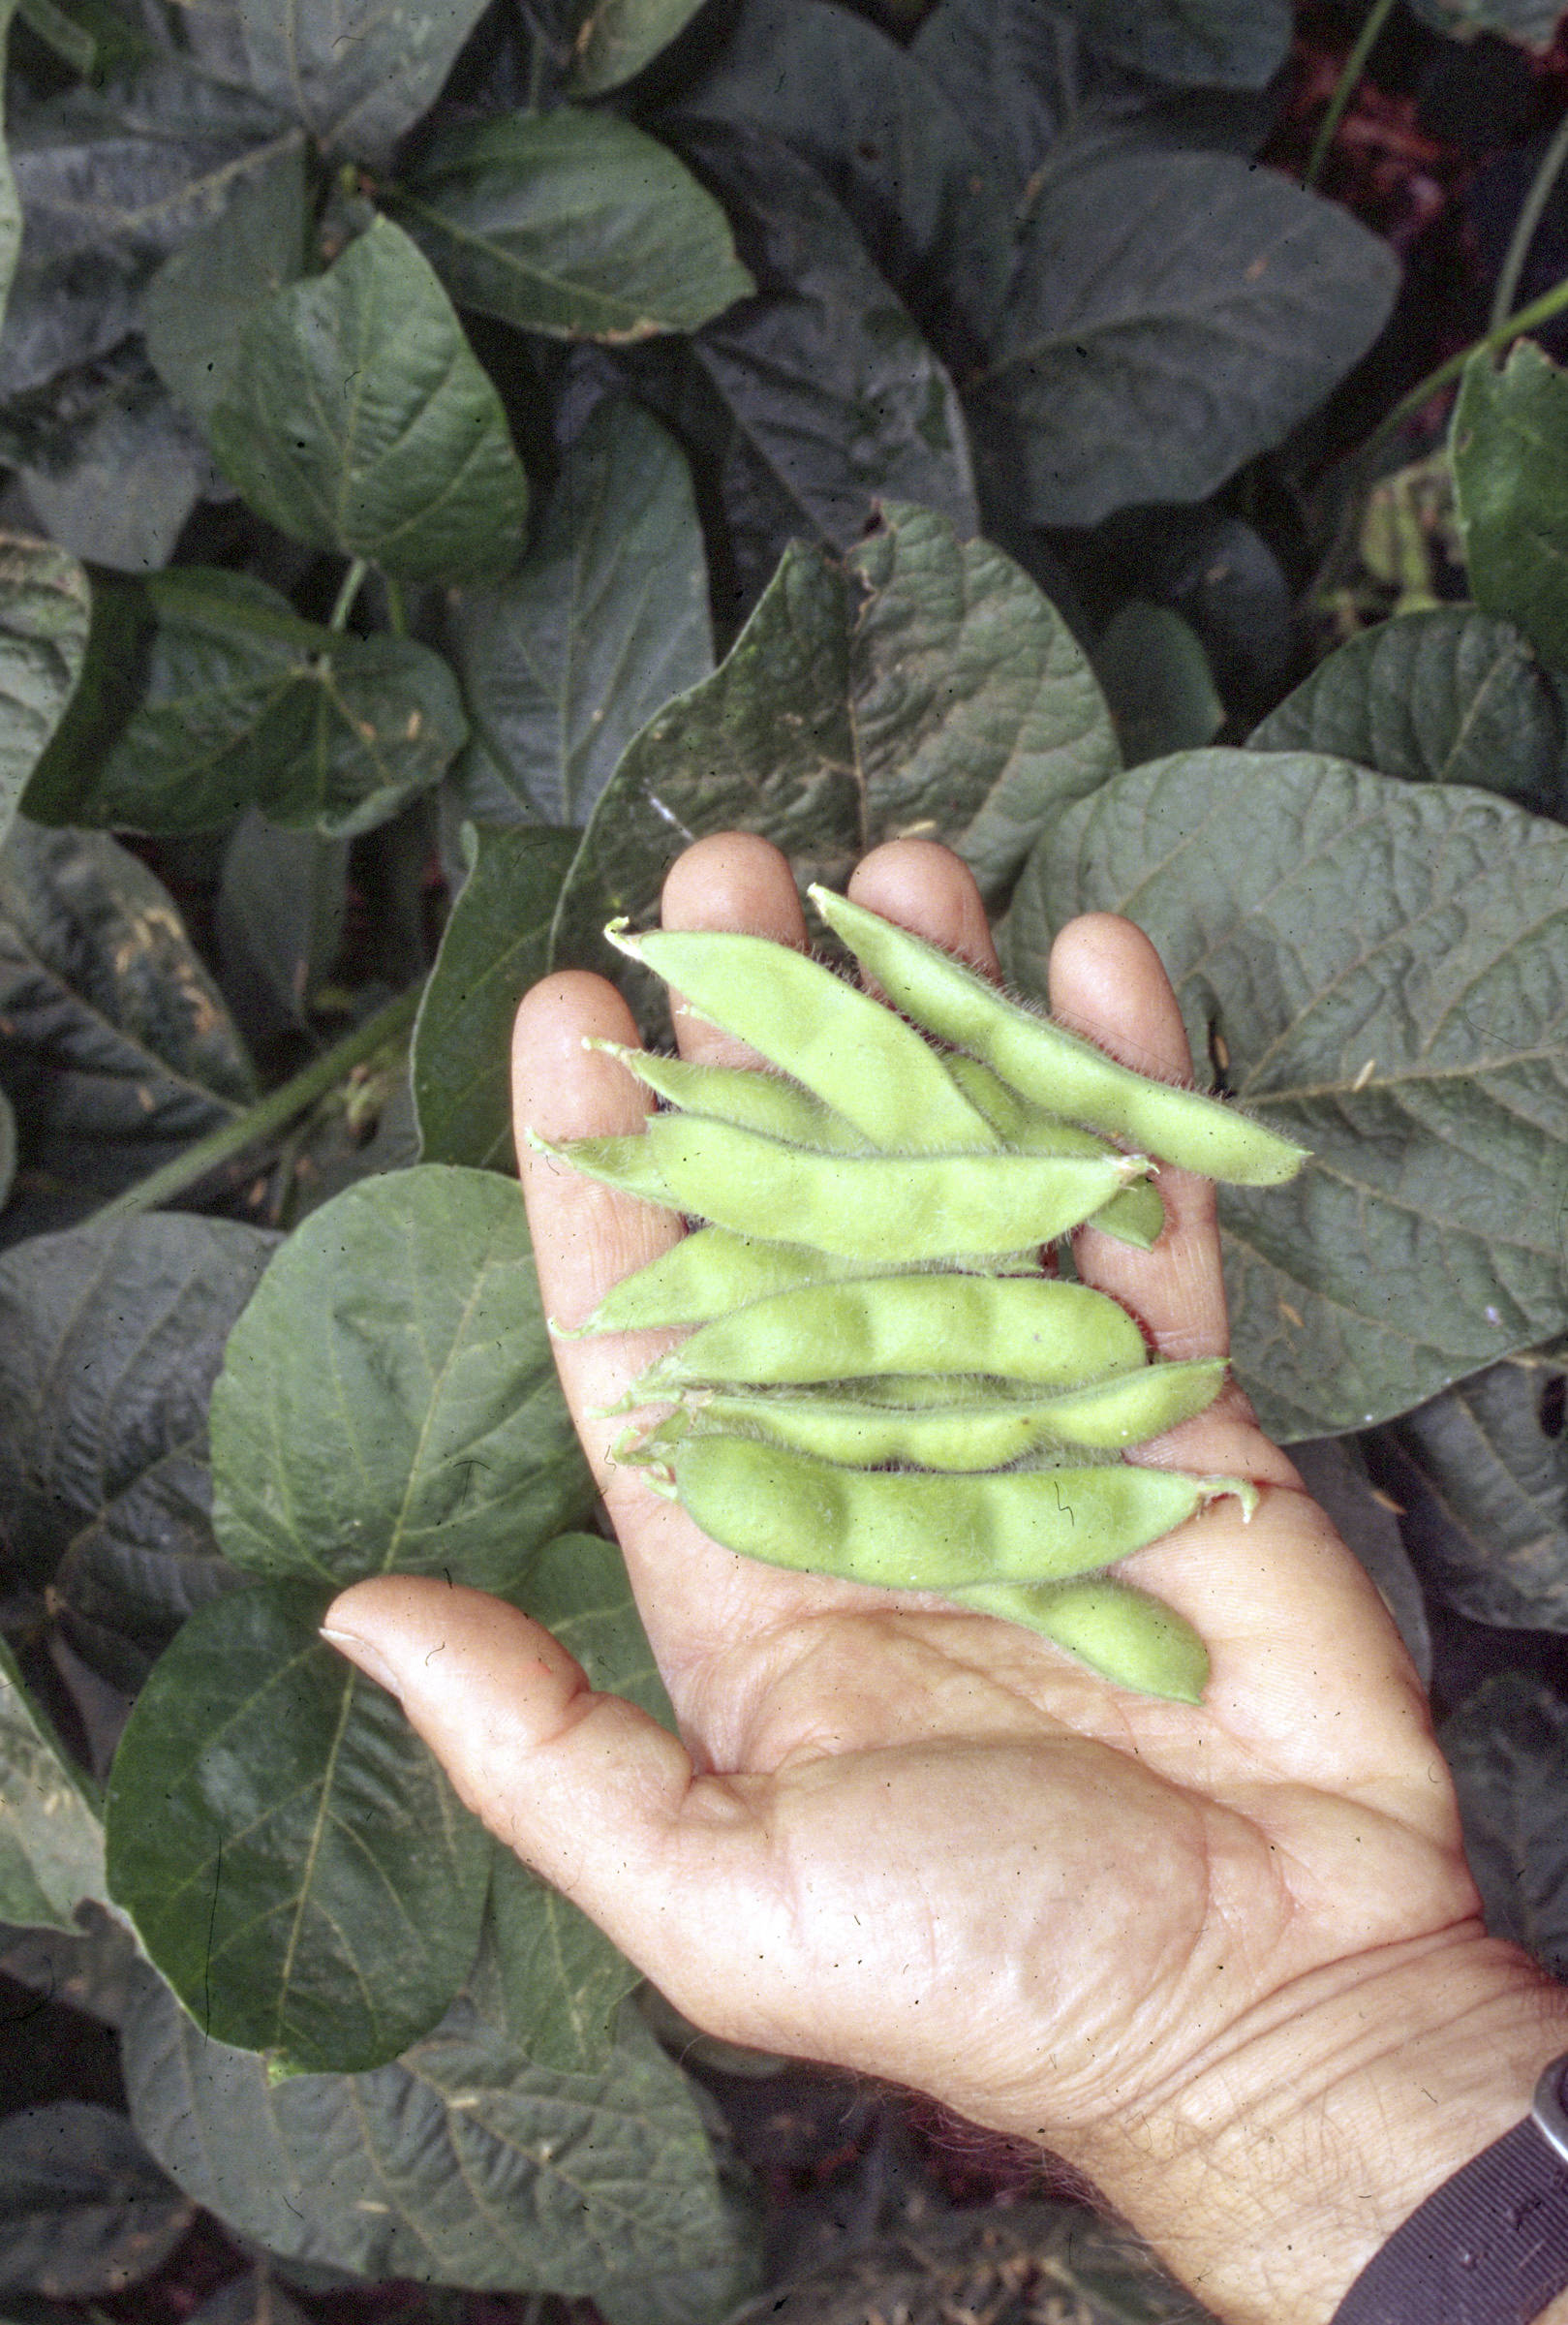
388,1402
923,684
1171,315
1378,959
43,615
891,149
10,206
1483,1487
1446,697
84,2210
52,1840
614,39
1156,681
243,704
119,488
462,2165
359,420
495,945
1216,44
115,1043
571,223
605,620
205,290
1531,22
91,1969
1509,456
279,915
294,1860
1508,1748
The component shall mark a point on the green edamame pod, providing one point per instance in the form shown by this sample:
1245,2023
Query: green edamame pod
853,1054
919,1529
1053,1068
901,1207
1135,1216
625,1163
1056,1335
1128,1636
769,1102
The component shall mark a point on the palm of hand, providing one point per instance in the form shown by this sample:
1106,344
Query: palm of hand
916,1842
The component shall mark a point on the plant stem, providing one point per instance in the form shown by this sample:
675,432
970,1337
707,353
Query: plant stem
1540,310
270,1114
350,589
1344,88
1524,225
397,620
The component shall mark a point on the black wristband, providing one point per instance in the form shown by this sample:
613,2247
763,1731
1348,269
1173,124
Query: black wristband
1491,2246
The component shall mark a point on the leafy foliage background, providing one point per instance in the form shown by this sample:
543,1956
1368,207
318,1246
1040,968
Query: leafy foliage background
450,458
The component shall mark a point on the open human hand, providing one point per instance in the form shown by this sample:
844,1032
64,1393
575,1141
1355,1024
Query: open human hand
1157,1938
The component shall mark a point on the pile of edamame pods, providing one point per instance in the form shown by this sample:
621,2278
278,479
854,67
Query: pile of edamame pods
884,1382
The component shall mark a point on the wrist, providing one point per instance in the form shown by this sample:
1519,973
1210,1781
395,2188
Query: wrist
1293,2149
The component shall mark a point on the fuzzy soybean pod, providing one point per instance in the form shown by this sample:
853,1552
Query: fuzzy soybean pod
920,1529
1135,1216
1127,1635
887,1208
1056,1335
853,1054
1053,1068
770,1103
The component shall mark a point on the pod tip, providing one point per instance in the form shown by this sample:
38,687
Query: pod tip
617,933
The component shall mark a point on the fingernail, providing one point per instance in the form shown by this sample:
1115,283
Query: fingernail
366,1659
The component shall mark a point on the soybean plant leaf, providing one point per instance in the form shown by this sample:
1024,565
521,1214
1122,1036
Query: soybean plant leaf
1380,960
10,206
923,681
117,486
8,1148
44,616
1507,1746
109,1339
355,75
1444,697
1158,682
1531,22
818,398
359,420
1509,448
115,1047
282,902
461,2164
1483,1483
244,704
614,39
294,1859
892,150
495,945
605,620
1216,43
84,2209
1171,315
90,1968
206,290
52,1840
389,1403
571,223
111,182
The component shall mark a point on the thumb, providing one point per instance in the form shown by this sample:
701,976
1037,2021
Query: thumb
586,1787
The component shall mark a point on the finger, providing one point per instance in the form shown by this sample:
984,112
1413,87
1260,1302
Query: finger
734,880
928,890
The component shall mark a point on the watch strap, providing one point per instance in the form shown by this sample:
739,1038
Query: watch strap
1491,2246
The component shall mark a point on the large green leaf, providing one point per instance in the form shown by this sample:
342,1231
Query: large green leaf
1171,315
52,1840
1445,697
110,1340
114,1042
84,2209
1483,1483
605,620
43,615
614,39
294,1860
1507,1746
242,704
1509,456
892,149
206,290
462,2165
923,683
1384,963
359,420
354,74
571,223
495,944
388,1402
